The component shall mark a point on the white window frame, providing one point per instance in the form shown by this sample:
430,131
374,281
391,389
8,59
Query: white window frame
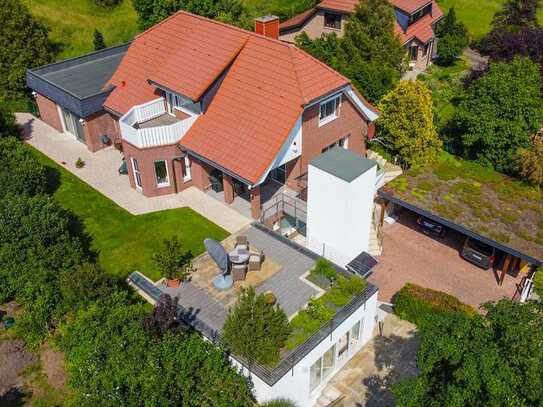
162,184
187,174
337,106
136,172
320,362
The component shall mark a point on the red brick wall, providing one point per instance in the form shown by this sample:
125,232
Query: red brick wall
97,125
349,123
146,159
49,112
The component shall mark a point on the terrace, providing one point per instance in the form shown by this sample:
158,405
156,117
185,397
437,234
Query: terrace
285,272
476,201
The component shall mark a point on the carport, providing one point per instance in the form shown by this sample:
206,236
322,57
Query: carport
470,201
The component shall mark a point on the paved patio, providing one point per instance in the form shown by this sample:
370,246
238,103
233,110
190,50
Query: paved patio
281,274
101,173
411,256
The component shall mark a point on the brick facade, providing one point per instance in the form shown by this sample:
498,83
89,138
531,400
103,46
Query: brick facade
146,161
100,123
49,112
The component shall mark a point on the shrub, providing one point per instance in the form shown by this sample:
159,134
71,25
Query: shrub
256,329
8,127
325,269
172,261
538,282
79,163
413,303
164,317
530,161
98,40
20,172
279,403
107,3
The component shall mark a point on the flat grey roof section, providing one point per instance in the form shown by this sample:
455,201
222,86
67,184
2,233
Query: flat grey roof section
342,163
78,83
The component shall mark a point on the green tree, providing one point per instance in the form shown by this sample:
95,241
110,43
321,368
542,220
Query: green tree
406,125
23,43
453,38
8,127
234,12
498,112
112,361
530,161
256,329
370,53
517,13
491,360
20,173
98,40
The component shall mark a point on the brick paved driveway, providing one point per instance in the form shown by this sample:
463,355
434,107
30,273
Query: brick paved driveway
411,256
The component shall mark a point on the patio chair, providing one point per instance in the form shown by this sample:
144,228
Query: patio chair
256,260
239,271
241,241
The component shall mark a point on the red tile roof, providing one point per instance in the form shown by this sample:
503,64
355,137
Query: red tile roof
297,20
257,104
346,6
409,6
422,29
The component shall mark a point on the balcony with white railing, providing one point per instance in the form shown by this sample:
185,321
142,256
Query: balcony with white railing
150,125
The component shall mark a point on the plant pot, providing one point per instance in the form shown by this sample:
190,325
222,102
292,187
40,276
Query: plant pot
173,283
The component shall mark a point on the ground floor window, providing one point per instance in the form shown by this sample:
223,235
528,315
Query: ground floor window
161,173
137,174
413,52
322,368
279,174
343,143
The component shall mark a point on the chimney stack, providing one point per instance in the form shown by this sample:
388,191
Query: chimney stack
267,26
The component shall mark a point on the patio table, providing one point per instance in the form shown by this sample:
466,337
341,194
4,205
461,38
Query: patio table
239,256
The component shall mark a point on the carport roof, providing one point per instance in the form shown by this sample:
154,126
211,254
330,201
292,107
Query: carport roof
477,202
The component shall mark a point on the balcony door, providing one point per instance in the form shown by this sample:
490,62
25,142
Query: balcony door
72,125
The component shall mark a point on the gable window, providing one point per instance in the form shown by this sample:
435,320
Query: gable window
413,18
343,143
332,20
329,110
161,173
173,101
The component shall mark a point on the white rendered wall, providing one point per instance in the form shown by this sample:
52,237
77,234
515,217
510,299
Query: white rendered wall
295,384
339,214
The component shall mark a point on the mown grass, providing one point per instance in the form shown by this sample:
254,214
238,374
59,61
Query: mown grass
125,242
476,15
72,23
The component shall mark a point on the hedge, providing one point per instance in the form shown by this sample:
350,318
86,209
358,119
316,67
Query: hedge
538,282
414,302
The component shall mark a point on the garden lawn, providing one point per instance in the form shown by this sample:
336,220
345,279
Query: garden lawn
72,23
476,15
126,242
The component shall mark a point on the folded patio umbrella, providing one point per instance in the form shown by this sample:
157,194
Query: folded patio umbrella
217,253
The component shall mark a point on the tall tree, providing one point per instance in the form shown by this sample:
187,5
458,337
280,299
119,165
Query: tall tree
370,53
453,38
498,112
517,13
491,360
23,44
98,40
406,125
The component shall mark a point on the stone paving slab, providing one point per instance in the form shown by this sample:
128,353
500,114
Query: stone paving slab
101,173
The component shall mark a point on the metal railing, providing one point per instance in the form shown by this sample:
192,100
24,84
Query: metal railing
270,375
284,204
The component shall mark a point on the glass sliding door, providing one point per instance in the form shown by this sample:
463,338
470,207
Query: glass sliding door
322,368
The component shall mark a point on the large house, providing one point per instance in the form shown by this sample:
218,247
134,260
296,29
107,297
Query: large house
195,102
415,24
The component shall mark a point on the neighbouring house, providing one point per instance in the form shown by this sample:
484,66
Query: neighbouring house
415,25
195,102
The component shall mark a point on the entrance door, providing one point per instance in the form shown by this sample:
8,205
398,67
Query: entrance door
72,125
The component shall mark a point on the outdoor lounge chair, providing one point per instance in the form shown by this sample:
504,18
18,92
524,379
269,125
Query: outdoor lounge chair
239,272
256,260
242,241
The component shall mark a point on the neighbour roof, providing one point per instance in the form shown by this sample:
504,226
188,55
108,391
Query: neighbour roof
343,163
86,75
422,29
487,205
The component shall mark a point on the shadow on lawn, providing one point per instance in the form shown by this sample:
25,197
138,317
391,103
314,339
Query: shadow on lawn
395,359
